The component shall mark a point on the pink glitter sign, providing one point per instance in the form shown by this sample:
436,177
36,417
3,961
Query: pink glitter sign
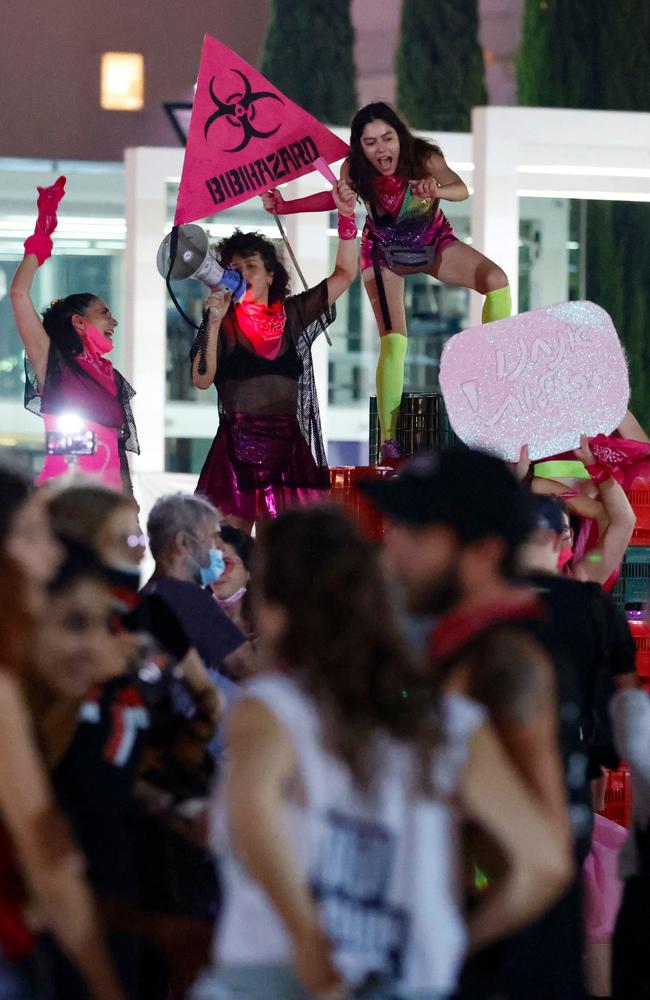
541,379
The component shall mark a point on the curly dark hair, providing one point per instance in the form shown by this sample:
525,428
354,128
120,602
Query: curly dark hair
57,320
341,642
247,244
241,542
413,152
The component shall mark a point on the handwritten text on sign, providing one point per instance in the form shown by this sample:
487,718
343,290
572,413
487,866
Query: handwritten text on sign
542,379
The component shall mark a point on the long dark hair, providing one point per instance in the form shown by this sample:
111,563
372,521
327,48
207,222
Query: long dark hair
341,642
57,320
246,244
413,152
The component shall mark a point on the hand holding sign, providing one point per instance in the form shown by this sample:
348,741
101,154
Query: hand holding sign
543,378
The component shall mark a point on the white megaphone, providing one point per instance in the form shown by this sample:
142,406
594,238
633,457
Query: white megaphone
193,258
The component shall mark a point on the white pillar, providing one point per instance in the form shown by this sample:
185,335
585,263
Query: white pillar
145,326
308,233
495,209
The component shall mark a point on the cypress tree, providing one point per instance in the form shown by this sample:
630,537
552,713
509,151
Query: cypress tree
555,68
589,54
322,82
440,71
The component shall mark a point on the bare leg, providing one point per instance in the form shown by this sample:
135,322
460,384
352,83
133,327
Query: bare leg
460,264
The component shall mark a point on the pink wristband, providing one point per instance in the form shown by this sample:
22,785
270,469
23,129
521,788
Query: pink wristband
39,244
347,227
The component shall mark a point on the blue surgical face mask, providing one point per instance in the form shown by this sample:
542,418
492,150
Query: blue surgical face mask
212,572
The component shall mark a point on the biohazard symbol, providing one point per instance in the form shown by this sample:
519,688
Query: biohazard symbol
239,110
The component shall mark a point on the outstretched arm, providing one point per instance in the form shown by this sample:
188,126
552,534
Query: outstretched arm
347,257
38,247
31,330
599,563
322,201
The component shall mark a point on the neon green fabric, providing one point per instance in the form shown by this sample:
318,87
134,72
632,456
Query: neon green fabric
560,469
497,305
390,382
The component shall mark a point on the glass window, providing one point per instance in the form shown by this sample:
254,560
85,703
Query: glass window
550,244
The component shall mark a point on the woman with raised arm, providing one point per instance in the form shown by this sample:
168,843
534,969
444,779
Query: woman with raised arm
401,180
67,372
268,453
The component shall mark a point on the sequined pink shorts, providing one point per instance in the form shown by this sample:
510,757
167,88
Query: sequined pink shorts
440,235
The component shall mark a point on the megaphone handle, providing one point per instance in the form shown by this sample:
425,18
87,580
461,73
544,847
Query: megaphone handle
296,264
202,343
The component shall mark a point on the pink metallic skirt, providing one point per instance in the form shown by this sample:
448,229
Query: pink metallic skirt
439,235
260,464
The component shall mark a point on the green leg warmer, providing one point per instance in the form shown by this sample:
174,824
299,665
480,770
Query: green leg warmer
497,305
390,381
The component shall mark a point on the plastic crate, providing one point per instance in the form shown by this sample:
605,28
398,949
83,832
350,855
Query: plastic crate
618,796
633,584
641,635
422,424
344,488
640,501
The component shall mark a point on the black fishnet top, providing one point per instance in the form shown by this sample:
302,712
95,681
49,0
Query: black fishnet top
249,383
90,400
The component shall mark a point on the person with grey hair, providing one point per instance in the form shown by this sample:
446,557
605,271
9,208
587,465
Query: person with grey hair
184,535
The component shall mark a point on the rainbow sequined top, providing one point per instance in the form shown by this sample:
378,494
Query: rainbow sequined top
413,221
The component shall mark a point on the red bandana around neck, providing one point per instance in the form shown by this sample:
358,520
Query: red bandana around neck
262,325
390,193
457,628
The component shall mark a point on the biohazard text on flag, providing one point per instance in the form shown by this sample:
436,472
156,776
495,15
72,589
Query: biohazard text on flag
245,137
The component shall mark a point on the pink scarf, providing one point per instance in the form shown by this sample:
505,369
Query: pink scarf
262,325
99,368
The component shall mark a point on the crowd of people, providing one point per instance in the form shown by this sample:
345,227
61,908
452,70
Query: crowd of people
243,778
306,765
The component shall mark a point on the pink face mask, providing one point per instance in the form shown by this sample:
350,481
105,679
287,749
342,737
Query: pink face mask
565,556
96,342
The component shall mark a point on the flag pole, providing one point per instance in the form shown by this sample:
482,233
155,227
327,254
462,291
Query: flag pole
295,263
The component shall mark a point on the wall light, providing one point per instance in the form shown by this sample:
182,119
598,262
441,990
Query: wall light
122,81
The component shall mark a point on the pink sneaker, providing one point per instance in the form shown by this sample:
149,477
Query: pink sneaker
390,454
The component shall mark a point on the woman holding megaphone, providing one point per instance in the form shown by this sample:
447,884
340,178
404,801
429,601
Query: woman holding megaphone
84,401
268,453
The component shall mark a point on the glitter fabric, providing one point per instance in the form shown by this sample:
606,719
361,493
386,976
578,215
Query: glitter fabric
409,221
541,379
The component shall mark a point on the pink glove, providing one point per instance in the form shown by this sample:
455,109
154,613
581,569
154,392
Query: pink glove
320,202
40,243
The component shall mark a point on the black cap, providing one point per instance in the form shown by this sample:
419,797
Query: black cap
548,512
472,492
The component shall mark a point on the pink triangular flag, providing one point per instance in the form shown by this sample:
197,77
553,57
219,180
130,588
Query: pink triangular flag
245,137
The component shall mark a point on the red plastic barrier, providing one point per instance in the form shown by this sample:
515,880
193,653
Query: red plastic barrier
641,635
344,480
618,796
640,501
